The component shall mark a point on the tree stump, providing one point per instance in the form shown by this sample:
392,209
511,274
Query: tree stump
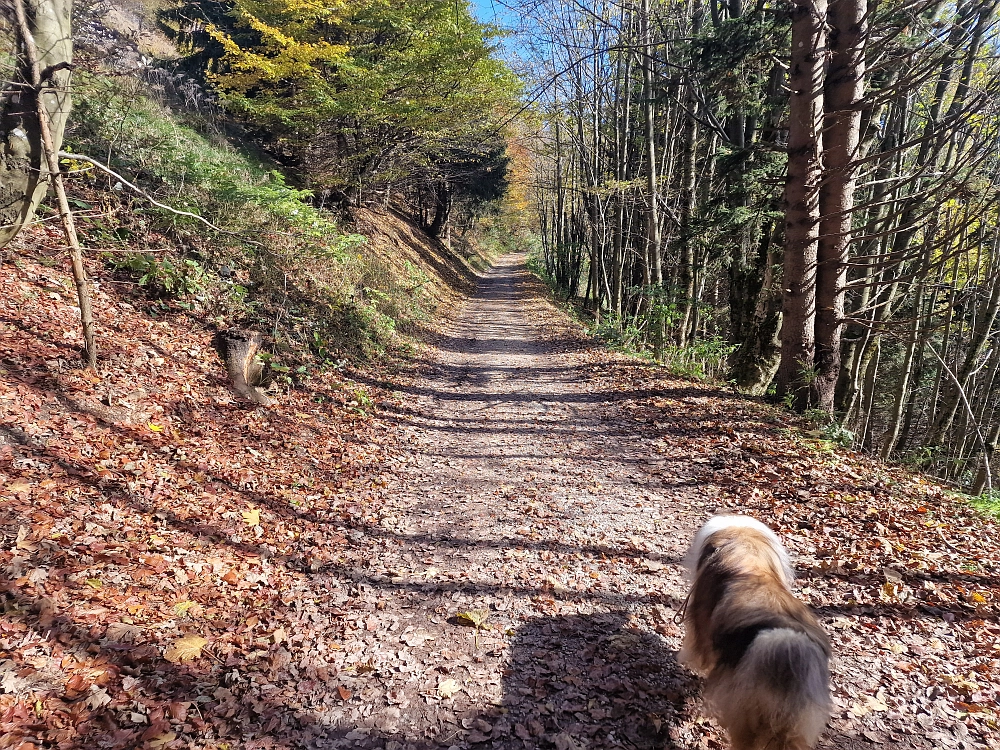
238,348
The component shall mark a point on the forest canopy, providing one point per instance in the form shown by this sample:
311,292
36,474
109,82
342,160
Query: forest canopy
358,93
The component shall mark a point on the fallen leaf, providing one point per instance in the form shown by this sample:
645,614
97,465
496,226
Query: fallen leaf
416,638
447,688
185,649
179,710
563,741
344,693
120,632
98,697
279,659
876,704
46,612
473,618
252,516
162,740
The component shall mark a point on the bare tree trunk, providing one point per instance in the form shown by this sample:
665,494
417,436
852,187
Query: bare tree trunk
686,331
871,375
905,376
984,476
954,388
805,148
655,272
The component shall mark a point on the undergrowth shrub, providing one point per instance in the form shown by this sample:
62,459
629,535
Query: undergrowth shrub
827,427
620,335
988,503
704,359
163,277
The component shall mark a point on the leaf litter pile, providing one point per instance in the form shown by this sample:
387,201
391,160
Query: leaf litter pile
490,559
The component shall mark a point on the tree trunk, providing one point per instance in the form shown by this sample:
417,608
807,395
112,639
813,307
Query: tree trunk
805,148
24,170
442,208
655,270
51,135
905,377
755,315
984,478
685,332
842,93
954,387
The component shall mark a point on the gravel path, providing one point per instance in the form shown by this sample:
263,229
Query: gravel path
525,504
516,581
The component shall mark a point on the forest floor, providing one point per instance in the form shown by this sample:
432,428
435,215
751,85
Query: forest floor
479,548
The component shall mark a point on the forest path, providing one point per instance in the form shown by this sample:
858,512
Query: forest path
517,454
541,493
525,499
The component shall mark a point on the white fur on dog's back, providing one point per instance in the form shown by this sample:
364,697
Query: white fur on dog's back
790,709
718,523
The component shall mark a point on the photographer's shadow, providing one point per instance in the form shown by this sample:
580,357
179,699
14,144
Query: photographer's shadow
588,681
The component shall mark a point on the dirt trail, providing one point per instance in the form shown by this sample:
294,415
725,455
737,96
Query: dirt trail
517,458
524,500
550,488
531,498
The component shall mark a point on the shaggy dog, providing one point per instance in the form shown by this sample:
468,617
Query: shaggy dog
762,650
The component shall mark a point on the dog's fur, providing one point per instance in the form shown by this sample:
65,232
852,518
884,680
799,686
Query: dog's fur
762,651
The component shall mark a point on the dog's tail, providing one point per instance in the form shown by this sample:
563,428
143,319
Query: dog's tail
777,696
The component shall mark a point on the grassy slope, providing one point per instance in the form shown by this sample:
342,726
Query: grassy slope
305,276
